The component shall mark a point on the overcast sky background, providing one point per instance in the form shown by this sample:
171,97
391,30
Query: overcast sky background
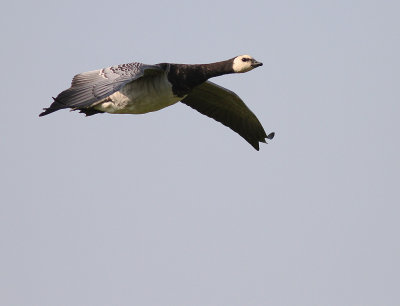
172,208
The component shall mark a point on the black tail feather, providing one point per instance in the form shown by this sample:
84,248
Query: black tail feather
89,111
55,106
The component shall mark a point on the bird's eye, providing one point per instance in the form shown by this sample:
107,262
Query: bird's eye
245,59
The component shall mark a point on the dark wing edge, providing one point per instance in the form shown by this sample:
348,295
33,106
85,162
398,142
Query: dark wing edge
227,108
90,87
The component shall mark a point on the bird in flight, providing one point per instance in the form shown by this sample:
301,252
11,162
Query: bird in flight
137,88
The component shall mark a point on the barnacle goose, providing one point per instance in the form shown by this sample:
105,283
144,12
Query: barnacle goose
137,88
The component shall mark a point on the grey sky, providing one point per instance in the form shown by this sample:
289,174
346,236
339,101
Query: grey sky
172,208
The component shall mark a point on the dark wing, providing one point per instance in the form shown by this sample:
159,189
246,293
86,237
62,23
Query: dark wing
90,87
226,107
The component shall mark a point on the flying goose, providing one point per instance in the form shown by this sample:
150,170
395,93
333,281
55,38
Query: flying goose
137,88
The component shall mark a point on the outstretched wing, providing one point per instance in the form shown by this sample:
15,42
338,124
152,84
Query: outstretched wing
89,87
226,107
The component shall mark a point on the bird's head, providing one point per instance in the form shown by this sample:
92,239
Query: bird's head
244,63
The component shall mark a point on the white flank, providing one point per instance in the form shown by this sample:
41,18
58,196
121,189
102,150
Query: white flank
144,95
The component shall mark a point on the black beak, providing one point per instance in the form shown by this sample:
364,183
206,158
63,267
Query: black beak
256,64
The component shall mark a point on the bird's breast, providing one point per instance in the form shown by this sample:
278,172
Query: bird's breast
146,94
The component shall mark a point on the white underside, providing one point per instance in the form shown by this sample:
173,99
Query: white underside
146,94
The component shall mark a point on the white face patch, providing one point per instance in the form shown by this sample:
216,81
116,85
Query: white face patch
242,63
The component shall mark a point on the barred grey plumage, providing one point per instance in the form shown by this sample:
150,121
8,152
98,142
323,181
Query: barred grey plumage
92,86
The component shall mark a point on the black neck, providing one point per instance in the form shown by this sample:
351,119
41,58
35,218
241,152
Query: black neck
214,69
184,77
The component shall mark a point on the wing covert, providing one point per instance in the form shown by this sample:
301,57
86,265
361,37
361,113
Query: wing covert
90,87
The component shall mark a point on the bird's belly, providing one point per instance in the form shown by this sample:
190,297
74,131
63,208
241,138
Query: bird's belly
141,96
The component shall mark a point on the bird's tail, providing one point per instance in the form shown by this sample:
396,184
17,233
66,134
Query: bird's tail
55,106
